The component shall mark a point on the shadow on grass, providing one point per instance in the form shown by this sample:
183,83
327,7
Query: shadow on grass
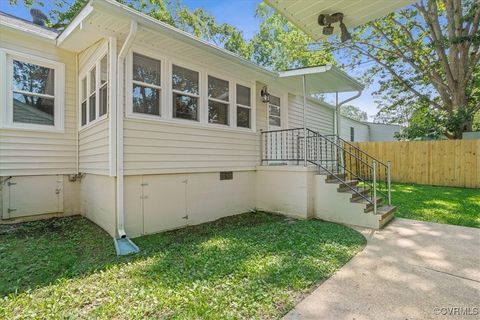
259,262
450,205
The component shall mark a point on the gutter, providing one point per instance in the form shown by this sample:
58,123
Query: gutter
120,115
338,105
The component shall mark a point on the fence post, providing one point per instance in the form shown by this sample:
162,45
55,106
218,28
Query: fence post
388,184
374,187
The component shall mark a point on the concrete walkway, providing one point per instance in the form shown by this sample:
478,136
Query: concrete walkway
409,270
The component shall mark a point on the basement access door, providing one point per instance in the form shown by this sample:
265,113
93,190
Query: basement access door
32,195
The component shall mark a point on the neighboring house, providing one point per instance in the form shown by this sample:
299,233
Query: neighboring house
141,127
361,131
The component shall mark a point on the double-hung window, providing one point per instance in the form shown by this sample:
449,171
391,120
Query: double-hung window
218,101
185,93
244,106
147,89
94,92
33,92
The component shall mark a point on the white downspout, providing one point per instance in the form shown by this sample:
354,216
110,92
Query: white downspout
337,109
120,115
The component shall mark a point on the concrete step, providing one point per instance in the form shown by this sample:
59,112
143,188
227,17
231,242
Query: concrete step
387,213
340,175
342,186
356,195
368,205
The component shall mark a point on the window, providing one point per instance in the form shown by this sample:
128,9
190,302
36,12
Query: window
146,85
185,93
94,92
274,115
33,92
244,106
352,134
218,97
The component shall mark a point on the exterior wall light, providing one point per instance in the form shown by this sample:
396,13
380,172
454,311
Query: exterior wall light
265,95
326,21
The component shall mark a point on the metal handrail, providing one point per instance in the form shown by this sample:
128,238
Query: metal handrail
356,148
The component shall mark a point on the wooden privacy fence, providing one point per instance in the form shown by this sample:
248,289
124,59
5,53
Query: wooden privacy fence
441,163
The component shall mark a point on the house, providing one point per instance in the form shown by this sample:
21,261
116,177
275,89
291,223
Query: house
360,131
141,128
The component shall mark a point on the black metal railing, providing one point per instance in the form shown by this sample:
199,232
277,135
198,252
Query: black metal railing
333,155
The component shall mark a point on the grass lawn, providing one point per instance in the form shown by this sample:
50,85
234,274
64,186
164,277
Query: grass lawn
458,206
253,265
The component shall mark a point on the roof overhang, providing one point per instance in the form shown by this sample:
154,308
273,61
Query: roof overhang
319,80
304,13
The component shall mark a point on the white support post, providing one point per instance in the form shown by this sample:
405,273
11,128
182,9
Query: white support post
389,184
374,187
304,85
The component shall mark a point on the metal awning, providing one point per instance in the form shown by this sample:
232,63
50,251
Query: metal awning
304,13
320,79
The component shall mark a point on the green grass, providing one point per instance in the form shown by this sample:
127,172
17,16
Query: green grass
249,266
449,205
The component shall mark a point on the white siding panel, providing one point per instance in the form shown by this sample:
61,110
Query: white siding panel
161,147
319,117
94,148
24,152
361,131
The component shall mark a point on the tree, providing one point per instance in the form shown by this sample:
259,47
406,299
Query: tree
279,45
353,112
426,56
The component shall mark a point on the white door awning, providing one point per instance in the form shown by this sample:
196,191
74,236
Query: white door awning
320,79
304,13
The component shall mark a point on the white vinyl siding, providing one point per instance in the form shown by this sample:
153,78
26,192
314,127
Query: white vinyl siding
319,117
361,130
28,152
161,147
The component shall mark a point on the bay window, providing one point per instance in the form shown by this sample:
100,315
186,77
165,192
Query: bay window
218,101
146,93
185,93
94,92
33,91
244,106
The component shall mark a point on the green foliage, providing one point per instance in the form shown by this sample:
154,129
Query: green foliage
250,266
421,65
449,205
279,45
353,112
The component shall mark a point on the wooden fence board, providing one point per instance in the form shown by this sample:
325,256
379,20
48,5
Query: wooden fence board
441,163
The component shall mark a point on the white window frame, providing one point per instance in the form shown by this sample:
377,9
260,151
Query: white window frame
129,84
6,91
284,105
252,98
228,103
166,113
200,96
94,62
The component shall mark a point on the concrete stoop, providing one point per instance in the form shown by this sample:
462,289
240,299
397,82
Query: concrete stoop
335,201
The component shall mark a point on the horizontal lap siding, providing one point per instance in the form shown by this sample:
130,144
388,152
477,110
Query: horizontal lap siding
319,118
94,148
25,152
161,147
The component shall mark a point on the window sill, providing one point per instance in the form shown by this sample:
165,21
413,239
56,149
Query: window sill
32,128
93,123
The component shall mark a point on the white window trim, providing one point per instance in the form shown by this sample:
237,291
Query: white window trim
6,91
166,114
252,102
228,103
94,62
284,105
129,84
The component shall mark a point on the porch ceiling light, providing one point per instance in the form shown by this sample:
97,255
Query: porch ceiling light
326,21
265,95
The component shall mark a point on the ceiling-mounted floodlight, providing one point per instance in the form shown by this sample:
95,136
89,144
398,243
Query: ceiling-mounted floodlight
326,20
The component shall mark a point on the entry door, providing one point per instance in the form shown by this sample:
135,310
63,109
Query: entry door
29,196
275,123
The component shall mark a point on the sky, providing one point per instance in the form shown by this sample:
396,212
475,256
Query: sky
239,13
